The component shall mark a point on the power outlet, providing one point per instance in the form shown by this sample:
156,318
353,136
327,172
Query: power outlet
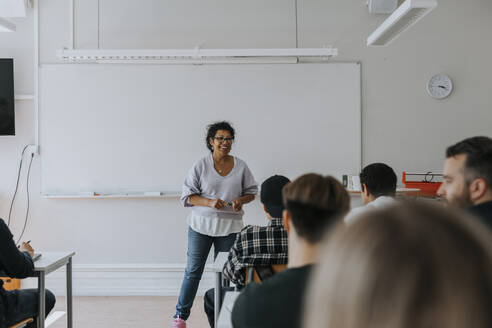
32,149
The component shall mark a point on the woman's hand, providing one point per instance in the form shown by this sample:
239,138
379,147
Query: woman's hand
237,205
25,247
216,203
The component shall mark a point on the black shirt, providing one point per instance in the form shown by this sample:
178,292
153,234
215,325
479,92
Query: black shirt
483,212
277,302
14,264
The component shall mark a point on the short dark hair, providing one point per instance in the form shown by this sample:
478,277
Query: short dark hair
379,178
271,195
478,163
212,130
315,202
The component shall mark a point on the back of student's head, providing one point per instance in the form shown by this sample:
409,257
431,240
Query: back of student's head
478,163
409,266
379,179
271,195
314,203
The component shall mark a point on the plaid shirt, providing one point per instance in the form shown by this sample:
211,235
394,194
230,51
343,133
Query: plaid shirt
256,246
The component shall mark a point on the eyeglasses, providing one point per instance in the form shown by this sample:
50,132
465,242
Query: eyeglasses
221,139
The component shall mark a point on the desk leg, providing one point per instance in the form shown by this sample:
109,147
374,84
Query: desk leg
42,299
217,295
69,294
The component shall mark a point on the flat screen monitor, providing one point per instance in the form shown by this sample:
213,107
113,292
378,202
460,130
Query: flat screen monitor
7,117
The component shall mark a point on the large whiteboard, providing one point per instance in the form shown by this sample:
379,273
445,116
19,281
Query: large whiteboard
116,128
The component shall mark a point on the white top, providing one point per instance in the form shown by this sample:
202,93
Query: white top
205,181
378,203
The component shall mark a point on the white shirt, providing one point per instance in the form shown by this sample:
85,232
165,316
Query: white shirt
378,203
203,180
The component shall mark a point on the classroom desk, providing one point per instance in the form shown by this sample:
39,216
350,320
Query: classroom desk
225,320
217,267
49,262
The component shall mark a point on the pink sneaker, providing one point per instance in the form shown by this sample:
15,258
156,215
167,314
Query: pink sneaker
179,323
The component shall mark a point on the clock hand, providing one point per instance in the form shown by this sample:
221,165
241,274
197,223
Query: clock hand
442,87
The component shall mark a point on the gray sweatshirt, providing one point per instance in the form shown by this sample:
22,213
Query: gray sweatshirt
205,181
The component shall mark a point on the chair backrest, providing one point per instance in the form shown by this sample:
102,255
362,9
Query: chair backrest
22,323
252,272
10,283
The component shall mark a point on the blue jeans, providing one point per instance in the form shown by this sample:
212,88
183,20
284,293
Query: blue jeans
198,248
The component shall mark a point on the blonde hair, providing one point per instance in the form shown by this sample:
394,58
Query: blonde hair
409,266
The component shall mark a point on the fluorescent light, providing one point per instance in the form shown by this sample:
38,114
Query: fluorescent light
195,56
6,26
409,13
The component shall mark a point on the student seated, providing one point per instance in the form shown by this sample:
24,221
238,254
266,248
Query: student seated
255,245
468,177
378,183
18,305
409,265
312,204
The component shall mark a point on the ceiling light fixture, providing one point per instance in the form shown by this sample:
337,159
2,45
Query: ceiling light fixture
405,16
6,26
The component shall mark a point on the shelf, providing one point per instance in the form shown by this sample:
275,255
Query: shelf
193,56
23,97
398,191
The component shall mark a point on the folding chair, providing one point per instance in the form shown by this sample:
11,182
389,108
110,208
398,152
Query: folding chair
22,323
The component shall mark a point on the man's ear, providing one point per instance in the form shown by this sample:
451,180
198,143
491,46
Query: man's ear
365,191
286,220
266,212
477,189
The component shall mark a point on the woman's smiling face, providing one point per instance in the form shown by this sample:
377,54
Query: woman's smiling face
222,142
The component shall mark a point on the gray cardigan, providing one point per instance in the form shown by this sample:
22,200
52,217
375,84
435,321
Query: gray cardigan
203,180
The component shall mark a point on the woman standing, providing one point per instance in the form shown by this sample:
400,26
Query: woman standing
216,188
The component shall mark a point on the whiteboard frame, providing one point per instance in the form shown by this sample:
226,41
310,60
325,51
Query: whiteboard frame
170,193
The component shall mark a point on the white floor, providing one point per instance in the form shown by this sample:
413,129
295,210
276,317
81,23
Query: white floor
151,312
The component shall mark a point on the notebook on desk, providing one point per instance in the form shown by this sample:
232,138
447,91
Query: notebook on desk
36,257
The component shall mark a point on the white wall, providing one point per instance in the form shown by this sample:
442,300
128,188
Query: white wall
402,126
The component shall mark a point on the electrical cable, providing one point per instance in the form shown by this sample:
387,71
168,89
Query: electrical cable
297,28
28,199
17,184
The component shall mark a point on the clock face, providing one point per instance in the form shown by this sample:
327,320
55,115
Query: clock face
439,86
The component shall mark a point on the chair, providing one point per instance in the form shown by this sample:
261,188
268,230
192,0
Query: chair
22,323
257,273
10,284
